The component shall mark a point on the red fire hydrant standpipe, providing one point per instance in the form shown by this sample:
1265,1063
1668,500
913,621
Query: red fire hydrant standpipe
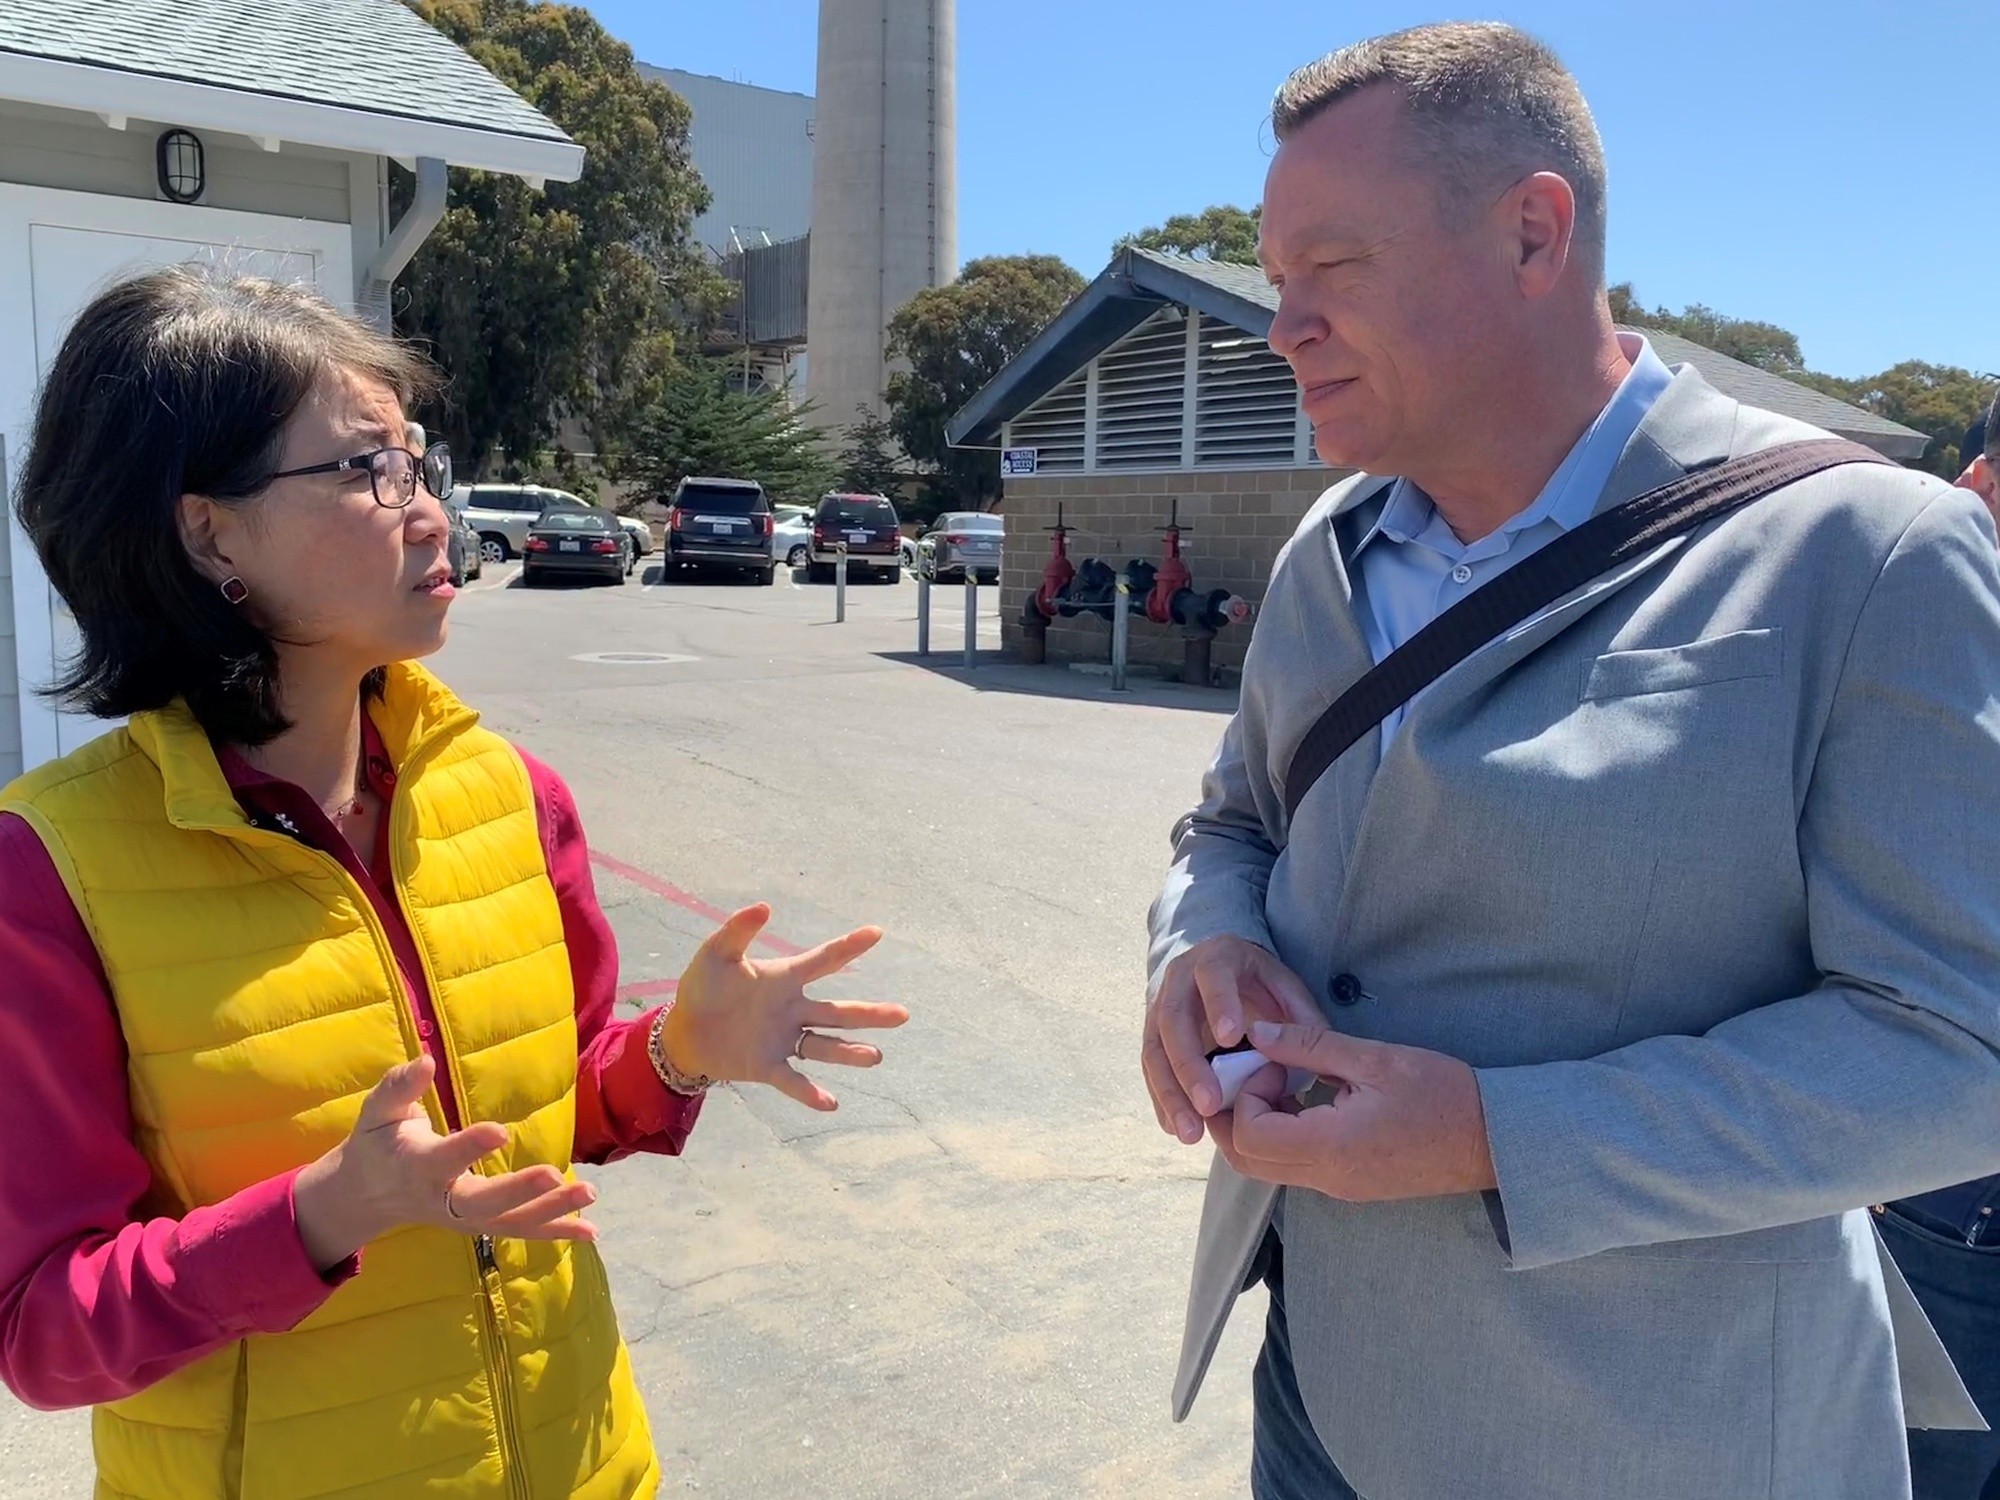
1045,603
1057,572
1172,576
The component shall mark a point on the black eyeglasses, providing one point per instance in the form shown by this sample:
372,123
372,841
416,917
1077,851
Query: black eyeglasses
393,472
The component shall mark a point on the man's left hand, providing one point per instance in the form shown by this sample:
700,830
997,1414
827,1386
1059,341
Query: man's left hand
1404,1123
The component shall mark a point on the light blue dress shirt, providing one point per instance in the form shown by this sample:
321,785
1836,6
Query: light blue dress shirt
1414,567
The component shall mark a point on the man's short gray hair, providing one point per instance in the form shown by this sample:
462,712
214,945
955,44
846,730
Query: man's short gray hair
1489,104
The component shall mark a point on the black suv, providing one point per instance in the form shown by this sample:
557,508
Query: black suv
723,522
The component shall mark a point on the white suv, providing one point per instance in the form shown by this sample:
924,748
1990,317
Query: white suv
502,513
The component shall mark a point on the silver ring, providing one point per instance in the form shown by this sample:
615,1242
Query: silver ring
799,1047
449,1207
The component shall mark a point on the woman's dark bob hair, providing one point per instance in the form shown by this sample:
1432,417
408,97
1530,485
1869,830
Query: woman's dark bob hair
175,383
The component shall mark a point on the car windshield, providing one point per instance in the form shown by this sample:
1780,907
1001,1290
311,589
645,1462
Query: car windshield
857,513
790,514
972,521
721,500
572,520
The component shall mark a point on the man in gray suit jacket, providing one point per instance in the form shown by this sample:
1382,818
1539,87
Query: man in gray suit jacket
1638,954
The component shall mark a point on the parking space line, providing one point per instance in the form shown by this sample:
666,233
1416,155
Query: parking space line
483,586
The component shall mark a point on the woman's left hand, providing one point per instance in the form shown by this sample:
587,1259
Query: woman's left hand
736,1017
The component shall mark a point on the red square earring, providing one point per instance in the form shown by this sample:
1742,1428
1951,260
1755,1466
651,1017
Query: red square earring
234,589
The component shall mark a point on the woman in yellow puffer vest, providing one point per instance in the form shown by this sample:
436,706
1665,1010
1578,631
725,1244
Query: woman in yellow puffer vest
309,1002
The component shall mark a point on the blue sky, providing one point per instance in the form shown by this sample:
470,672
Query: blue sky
1832,167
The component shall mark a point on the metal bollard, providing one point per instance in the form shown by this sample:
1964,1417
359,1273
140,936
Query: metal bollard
1121,632
971,619
923,615
839,583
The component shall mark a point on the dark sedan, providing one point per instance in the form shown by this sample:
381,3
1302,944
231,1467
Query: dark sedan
577,543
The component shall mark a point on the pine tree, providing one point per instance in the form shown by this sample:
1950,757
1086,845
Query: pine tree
868,465
702,425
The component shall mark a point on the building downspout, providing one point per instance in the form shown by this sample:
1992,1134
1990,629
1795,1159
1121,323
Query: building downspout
419,219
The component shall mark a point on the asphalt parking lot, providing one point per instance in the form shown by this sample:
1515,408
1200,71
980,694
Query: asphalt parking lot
969,1280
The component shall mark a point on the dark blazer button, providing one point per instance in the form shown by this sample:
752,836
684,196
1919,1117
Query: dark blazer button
1346,989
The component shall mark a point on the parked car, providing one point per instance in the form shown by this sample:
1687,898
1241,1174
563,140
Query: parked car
867,525
791,536
723,523
585,543
462,547
961,540
908,547
502,514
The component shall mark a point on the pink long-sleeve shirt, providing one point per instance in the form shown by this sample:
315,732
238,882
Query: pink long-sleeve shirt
96,1304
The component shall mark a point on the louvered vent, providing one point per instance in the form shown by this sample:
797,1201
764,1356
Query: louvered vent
1246,403
1054,425
1140,383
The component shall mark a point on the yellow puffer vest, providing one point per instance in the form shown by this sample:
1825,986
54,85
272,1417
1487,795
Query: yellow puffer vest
260,1002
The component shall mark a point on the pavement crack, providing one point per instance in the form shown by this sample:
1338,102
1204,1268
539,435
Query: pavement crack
916,1120
727,770
1031,895
665,1289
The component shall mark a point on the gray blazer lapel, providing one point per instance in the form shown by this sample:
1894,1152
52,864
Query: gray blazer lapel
1354,772
1335,655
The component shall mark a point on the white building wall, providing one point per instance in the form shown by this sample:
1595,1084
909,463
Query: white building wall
62,148
754,148
10,695
71,151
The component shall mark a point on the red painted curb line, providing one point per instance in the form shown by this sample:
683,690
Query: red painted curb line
667,891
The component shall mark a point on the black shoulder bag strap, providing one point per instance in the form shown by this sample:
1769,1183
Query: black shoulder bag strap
1602,543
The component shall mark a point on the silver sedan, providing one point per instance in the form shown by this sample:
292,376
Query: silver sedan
791,535
961,541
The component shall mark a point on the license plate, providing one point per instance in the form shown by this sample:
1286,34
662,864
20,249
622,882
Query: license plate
723,526
567,546
858,536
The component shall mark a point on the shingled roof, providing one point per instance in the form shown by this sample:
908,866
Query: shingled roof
1755,387
1138,282
363,75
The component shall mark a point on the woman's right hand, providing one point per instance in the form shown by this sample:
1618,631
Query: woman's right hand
394,1169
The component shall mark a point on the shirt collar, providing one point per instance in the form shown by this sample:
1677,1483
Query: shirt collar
259,791
1570,496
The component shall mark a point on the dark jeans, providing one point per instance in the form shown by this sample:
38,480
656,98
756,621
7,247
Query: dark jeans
1959,1287
1286,1459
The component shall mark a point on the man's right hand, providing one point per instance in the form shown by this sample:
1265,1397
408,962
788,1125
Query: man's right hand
1207,998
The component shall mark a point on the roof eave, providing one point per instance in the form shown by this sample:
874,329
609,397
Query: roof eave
1901,446
1076,336
200,106
1130,288
1161,275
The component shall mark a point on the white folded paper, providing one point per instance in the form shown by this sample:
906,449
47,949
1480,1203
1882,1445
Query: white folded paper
1234,1069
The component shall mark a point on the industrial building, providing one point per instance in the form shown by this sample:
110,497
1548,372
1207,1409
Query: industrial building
870,163
754,149
885,186
1154,396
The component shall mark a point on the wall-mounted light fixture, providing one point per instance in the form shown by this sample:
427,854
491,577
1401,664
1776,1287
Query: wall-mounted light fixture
183,165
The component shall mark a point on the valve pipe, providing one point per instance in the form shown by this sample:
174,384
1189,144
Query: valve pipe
1172,576
1057,573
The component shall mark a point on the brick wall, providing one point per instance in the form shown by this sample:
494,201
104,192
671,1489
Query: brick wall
1238,521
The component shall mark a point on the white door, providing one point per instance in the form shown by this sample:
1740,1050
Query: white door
64,248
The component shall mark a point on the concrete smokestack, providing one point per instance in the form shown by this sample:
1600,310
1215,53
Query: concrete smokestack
885,186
